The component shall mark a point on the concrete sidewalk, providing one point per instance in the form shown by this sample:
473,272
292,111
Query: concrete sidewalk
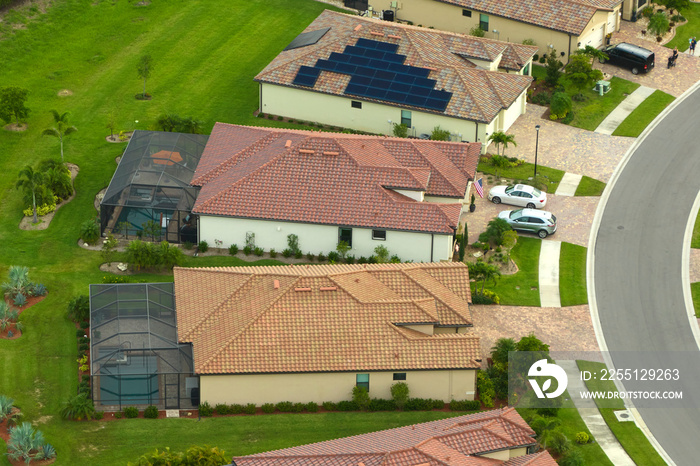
568,185
622,111
592,417
549,274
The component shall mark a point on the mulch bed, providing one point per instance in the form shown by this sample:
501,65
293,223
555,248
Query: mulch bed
32,300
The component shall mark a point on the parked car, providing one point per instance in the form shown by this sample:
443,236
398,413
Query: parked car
536,221
521,195
637,59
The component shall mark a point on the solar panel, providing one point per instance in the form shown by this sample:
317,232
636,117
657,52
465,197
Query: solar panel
418,101
398,97
366,43
376,93
380,83
364,71
345,68
404,78
385,75
424,82
401,87
339,57
421,91
302,80
307,38
361,80
374,54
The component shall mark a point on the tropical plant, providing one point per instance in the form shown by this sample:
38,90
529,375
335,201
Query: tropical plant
499,138
675,4
485,388
543,425
500,350
476,31
143,69
440,134
342,249
79,308
382,254
169,256
151,228
8,411
573,457
197,455
494,231
480,270
12,101
581,74
529,42
560,106
31,181
90,231
25,443
592,53
18,282
78,407
400,130
57,178
61,129
658,24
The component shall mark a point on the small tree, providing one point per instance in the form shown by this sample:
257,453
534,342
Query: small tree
360,395
400,394
560,105
30,181
79,308
553,69
658,24
675,4
480,270
494,231
581,74
499,351
476,31
592,53
111,125
440,134
12,101
293,243
109,247
151,228
499,138
400,130
343,248
382,254
464,242
143,69
61,130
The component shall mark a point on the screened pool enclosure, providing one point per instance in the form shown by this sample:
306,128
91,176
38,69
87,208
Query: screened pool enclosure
150,192
135,358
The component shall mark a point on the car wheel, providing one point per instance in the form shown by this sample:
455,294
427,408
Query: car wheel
542,234
530,205
496,200
635,70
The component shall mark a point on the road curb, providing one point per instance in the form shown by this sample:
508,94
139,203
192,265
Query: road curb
590,264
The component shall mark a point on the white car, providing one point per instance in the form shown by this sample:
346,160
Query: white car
521,195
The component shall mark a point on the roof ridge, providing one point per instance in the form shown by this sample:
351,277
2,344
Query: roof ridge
469,320
488,428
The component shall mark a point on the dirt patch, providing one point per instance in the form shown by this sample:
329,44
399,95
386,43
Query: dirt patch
42,420
65,92
15,127
45,221
4,334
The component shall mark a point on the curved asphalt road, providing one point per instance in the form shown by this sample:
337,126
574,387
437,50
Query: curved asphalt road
637,267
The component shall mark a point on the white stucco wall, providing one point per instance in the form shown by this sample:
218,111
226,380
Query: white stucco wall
372,117
323,238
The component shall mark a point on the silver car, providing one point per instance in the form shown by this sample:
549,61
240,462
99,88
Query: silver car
536,221
521,195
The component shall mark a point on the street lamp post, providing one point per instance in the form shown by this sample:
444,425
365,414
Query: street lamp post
537,143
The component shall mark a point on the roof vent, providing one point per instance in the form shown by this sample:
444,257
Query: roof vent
358,27
277,284
288,143
328,152
374,33
305,151
328,288
302,289
393,36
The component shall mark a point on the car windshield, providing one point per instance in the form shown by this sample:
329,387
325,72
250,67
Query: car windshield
536,192
509,189
516,214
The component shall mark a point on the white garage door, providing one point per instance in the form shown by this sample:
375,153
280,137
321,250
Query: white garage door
594,38
612,19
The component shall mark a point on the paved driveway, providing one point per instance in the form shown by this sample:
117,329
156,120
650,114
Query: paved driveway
674,81
564,147
573,214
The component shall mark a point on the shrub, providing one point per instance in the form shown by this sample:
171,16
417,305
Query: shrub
99,415
311,407
131,412
465,405
329,406
541,99
222,409
247,250
321,257
38,289
203,246
582,438
377,404
476,31
486,389
233,249
678,18
440,134
559,443
360,396
151,412
535,57
572,458
199,455
647,11
372,259
284,406
79,333
188,245
349,259
560,105
118,415
298,254
205,409
287,252
78,407
658,24
400,130
90,231
273,253
543,59
400,393
487,297
362,260
20,300
421,404
268,408
347,406
79,308
298,407
333,257
382,254
249,408
529,42
258,251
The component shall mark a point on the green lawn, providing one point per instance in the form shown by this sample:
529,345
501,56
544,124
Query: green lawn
591,112
695,241
686,31
628,434
695,292
641,116
517,289
524,171
589,187
572,275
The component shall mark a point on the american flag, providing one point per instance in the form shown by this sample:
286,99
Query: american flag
479,186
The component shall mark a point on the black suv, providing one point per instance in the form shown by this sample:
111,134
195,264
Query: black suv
636,59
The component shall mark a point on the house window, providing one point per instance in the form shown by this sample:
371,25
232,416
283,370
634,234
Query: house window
467,13
641,3
356,104
379,234
484,22
406,118
526,70
345,234
362,380
399,376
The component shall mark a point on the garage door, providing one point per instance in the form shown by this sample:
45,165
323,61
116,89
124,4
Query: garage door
612,17
595,37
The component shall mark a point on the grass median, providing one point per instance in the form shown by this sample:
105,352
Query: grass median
644,114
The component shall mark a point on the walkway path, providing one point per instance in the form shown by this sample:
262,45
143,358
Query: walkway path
549,274
592,417
568,185
622,111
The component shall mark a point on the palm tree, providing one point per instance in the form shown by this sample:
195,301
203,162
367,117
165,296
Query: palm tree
592,53
499,352
62,128
480,270
31,182
500,138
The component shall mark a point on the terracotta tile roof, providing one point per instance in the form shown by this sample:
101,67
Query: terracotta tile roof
332,178
476,96
569,16
324,318
453,442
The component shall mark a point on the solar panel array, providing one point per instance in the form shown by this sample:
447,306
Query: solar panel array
377,72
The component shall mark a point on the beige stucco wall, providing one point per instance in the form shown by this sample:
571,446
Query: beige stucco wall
315,238
505,455
630,6
301,388
372,117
